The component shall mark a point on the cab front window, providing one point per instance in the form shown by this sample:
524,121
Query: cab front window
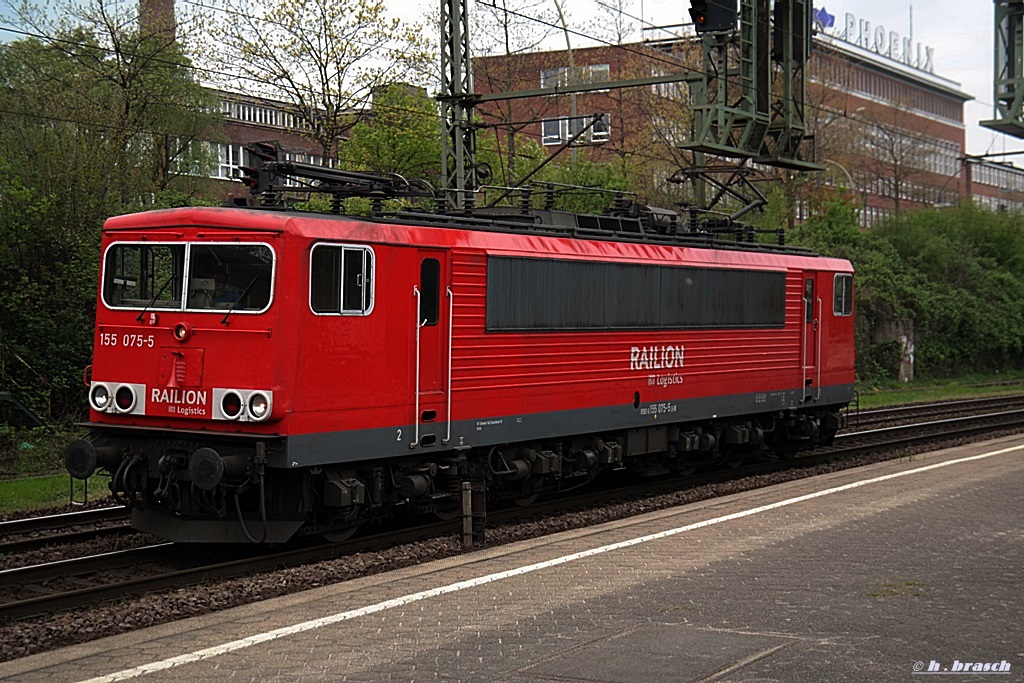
196,276
144,276
223,276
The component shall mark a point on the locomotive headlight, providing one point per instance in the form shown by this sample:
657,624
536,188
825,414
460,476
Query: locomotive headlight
231,405
124,399
182,331
259,405
99,397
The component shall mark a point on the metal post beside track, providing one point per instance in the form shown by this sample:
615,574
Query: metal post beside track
474,513
71,492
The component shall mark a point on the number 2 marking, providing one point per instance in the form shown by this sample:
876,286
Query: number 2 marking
399,435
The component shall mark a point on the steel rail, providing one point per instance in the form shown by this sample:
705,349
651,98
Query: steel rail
897,413
81,566
61,521
64,538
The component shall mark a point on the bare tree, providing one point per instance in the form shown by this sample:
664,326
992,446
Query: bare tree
894,159
325,58
509,29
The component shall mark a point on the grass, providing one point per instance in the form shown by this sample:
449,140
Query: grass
52,491
32,462
32,475
931,391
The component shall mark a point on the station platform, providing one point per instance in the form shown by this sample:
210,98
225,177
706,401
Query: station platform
889,572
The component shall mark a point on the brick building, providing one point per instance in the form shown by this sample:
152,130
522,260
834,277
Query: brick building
248,119
887,128
638,126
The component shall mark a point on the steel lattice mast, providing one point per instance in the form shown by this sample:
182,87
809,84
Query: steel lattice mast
458,146
1009,69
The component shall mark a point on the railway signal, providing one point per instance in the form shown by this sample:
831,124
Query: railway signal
713,15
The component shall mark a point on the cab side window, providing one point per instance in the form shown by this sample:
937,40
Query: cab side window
341,280
842,297
430,297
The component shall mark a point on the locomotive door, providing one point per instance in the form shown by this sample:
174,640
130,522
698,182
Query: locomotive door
811,338
432,349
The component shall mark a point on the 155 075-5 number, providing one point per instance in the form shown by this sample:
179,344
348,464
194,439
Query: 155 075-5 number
127,340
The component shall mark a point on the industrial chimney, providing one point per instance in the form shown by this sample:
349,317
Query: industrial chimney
156,17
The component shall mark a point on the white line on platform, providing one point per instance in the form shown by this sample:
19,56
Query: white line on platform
216,650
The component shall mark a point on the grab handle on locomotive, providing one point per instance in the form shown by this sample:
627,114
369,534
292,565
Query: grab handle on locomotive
419,324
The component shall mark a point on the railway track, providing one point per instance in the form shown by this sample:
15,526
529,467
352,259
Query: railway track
67,584
31,533
897,415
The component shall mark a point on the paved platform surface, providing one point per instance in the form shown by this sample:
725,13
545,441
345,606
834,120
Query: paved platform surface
884,573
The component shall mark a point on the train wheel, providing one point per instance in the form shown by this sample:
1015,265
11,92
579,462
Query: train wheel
527,501
448,513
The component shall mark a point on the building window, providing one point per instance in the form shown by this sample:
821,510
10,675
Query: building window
559,131
229,159
552,78
551,131
670,91
598,73
673,132
601,131
261,114
562,76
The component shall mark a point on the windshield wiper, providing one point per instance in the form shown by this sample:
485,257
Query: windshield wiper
153,300
224,320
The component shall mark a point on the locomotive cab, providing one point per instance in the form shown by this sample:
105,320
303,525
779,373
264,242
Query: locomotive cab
185,396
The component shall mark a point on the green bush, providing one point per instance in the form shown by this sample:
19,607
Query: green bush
956,274
32,451
880,362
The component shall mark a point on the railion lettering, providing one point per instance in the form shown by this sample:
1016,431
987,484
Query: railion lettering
656,357
189,397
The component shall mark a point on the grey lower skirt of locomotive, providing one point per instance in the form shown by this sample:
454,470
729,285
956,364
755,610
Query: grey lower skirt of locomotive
199,488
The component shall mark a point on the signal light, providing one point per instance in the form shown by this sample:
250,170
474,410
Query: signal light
231,405
124,398
265,151
699,13
713,15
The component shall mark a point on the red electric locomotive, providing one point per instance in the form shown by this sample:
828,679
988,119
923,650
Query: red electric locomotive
263,373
